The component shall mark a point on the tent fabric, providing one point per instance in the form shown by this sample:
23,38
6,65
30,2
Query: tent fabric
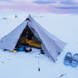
50,44
9,41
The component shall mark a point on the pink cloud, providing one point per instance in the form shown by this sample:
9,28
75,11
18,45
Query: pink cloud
75,0
28,5
25,6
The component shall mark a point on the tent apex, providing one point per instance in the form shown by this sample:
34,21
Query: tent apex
29,16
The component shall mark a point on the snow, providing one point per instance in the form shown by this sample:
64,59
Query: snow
25,65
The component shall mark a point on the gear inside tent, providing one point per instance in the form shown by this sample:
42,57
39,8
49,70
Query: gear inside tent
28,39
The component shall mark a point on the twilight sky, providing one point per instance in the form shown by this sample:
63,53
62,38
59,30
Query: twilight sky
40,5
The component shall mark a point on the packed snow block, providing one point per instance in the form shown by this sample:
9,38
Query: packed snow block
75,60
68,58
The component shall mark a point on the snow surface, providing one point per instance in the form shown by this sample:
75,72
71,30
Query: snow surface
25,65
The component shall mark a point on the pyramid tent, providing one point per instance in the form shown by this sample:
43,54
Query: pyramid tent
51,45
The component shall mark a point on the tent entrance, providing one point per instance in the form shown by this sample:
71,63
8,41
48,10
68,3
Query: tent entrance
27,38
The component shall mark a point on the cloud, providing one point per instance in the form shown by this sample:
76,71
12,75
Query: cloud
68,2
66,7
58,3
56,6
24,6
22,0
14,3
65,10
5,0
44,1
75,1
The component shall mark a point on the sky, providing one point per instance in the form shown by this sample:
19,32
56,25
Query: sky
40,5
